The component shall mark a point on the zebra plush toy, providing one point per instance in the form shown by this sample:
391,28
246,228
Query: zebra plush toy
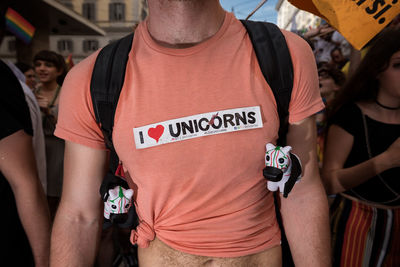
283,169
119,208
118,201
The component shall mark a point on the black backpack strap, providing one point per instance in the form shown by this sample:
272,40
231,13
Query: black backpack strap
276,65
106,85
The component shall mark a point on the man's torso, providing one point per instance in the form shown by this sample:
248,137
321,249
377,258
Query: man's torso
184,202
202,196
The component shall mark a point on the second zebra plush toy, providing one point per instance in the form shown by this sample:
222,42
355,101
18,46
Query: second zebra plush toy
282,168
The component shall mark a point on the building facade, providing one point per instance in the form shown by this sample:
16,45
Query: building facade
48,17
116,17
73,27
293,19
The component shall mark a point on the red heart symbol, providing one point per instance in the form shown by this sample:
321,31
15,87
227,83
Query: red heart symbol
156,133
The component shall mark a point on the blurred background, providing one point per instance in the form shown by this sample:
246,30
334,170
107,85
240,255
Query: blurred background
77,28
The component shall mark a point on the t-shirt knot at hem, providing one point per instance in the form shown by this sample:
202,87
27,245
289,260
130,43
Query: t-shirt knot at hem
143,235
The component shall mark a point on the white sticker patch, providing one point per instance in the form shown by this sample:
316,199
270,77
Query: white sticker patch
218,122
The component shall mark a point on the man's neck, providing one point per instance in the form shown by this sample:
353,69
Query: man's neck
184,23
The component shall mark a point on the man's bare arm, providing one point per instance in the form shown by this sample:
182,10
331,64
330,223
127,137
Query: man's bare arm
17,163
77,225
305,212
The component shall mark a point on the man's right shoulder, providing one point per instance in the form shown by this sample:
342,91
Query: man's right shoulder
79,77
76,122
85,67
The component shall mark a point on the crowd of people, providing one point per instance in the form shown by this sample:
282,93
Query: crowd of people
40,86
44,78
357,144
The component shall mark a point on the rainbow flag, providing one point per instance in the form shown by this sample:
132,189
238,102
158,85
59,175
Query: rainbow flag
19,26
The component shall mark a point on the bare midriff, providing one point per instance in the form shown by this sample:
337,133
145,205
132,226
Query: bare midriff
158,254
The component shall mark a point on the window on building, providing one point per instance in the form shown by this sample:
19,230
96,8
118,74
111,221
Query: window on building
90,45
117,11
65,46
67,3
89,11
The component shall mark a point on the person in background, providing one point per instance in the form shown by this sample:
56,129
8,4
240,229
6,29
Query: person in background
341,42
331,80
29,72
50,69
322,43
25,220
362,162
36,118
337,58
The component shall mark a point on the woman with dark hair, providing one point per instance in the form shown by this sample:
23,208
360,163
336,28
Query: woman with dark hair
362,160
51,69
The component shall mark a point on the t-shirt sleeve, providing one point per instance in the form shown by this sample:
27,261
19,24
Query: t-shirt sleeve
345,118
76,121
11,124
306,98
14,111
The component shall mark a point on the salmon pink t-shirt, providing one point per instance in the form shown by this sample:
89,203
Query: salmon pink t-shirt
191,128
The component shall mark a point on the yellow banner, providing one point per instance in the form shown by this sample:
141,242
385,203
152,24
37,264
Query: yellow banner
357,20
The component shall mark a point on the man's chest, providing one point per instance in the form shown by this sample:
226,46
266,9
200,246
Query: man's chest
204,125
206,122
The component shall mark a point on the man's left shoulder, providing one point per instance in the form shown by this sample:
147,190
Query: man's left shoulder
295,41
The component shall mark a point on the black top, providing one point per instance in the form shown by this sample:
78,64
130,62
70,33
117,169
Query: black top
14,113
386,188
